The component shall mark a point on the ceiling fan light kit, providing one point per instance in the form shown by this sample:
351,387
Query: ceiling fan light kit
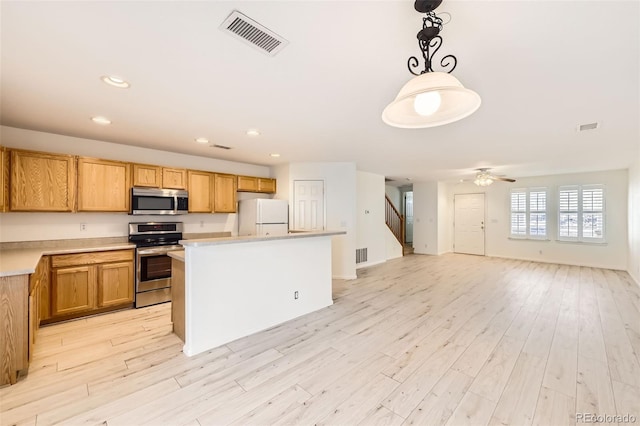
484,178
432,98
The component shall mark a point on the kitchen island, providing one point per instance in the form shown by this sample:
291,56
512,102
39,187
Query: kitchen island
237,286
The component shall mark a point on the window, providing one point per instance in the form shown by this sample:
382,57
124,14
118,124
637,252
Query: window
529,213
581,213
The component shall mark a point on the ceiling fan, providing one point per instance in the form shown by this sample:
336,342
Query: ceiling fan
484,178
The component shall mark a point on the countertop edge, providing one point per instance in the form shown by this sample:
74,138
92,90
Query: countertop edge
253,238
24,261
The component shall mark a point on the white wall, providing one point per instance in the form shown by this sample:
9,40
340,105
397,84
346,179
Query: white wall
445,210
613,254
634,220
425,218
281,175
370,220
393,192
16,226
340,206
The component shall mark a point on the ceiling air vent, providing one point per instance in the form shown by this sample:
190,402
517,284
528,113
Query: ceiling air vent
588,126
251,32
220,146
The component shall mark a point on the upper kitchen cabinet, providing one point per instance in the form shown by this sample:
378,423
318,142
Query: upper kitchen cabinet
103,185
224,193
42,182
174,178
200,191
267,185
4,179
256,184
247,184
147,176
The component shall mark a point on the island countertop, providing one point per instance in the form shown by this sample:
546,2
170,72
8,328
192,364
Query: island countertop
254,238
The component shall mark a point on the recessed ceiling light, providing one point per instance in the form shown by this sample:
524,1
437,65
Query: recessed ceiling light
115,81
253,132
274,155
101,120
202,140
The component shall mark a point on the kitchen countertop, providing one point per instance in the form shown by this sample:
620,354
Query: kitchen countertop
177,255
254,238
24,261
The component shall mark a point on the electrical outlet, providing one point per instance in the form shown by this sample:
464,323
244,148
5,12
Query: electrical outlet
202,224
83,226
295,295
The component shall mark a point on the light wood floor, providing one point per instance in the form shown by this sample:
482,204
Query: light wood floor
450,340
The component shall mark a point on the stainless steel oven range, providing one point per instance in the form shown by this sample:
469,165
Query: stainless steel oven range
154,240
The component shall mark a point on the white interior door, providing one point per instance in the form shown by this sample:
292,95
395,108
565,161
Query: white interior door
308,205
469,224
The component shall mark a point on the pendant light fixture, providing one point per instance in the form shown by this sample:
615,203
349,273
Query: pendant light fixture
432,98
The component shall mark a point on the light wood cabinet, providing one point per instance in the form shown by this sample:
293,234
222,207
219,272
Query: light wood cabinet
4,179
114,284
14,333
85,283
43,274
200,191
147,175
174,178
74,290
103,185
267,185
42,182
256,184
247,184
38,282
224,193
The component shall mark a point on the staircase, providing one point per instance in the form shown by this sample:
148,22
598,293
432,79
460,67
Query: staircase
395,222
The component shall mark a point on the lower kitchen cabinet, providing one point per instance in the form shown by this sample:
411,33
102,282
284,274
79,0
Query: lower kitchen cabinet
115,284
87,283
74,290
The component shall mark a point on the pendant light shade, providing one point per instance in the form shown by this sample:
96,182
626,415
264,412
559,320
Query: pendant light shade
431,99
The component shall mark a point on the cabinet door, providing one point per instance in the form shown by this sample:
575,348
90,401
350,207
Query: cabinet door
115,284
247,184
42,182
266,185
74,290
200,191
224,193
147,176
174,178
44,274
103,186
4,179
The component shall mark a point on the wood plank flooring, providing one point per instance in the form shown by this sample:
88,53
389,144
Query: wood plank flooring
446,340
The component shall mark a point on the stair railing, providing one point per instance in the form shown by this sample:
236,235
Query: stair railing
394,220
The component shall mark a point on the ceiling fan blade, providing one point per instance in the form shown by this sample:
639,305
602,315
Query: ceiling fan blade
503,179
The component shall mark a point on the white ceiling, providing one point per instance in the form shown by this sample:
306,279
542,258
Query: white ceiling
541,68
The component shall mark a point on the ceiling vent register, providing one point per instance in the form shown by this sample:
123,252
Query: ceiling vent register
220,146
251,32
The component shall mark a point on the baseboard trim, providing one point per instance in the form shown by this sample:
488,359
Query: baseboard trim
344,277
367,264
560,262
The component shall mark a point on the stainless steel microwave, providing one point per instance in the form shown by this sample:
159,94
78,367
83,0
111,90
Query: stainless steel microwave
159,201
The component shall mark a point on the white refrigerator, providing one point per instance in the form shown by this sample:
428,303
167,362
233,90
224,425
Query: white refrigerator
263,216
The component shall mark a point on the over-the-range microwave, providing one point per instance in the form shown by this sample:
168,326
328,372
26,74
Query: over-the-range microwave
159,201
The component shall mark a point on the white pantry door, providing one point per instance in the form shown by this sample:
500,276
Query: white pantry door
308,205
469,224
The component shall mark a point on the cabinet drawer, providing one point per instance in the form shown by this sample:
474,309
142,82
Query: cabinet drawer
91,258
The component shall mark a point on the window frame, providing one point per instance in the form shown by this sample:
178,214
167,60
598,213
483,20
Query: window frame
528,212
580,212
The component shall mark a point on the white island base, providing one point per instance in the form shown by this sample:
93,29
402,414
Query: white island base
234,287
